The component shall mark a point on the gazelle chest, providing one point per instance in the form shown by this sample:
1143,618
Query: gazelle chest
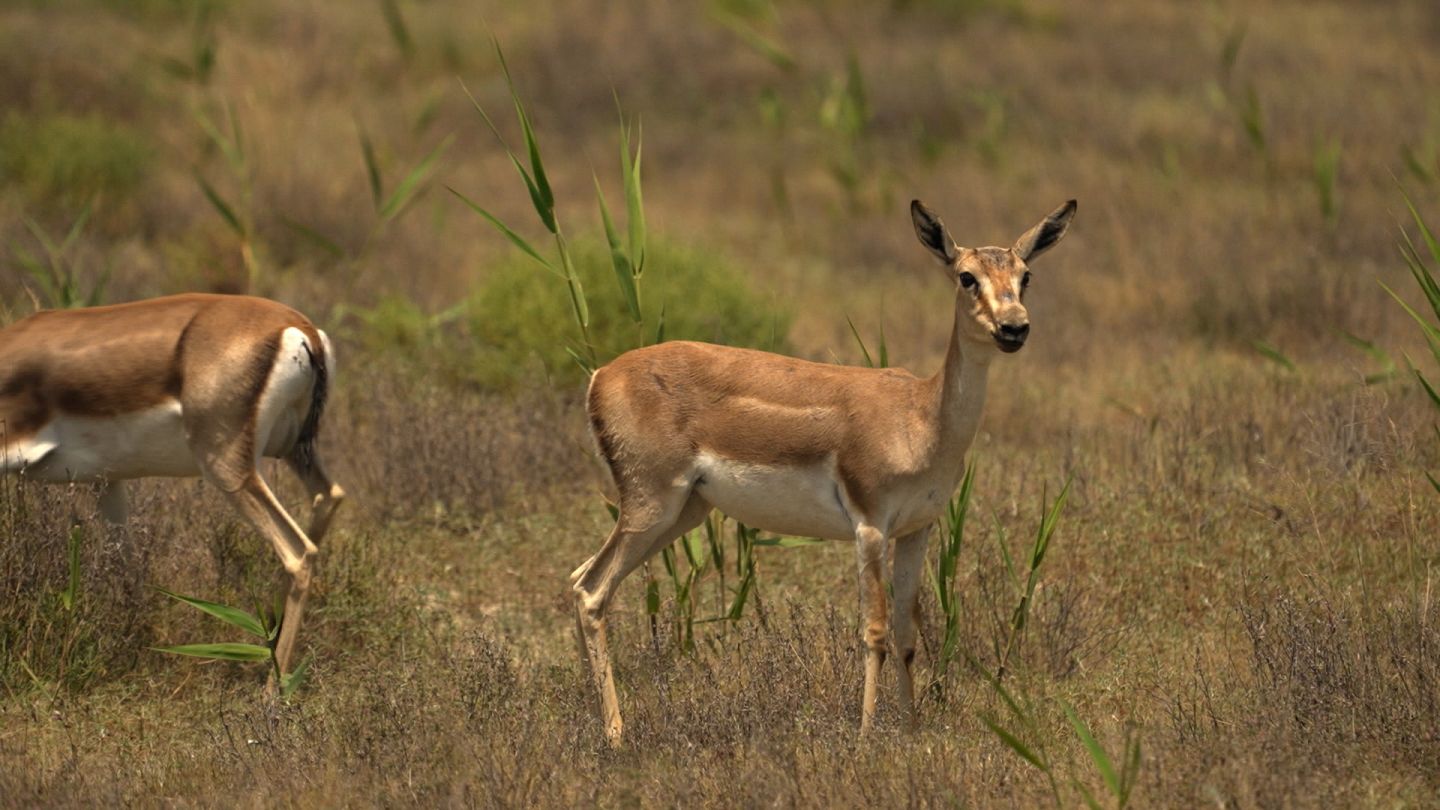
132,445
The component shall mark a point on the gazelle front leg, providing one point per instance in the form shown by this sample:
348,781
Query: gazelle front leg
870,554
909,564
114,506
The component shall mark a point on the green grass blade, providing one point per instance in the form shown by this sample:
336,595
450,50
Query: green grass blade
230,149
75,228
1388,369
541,193
624,276
546,212
226,212
372,169
399,32
51,249
408,187
742,593
293,680
660,325
231,616
577,289
1092,746
313,236
634,202
225,651
869,363
1431,332
1421,273
1048,524
769,49
1425,232
1429,389
1088,797
787,542
485,117
1005,554
584,364
515,238
1416,167
1273,354
1014,743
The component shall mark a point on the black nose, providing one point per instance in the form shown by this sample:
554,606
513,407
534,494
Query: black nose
1014,331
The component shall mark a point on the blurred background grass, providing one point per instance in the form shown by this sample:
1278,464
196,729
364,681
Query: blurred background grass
1243,572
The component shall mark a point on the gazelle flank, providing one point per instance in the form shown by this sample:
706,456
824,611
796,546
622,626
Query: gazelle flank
187,385
803,448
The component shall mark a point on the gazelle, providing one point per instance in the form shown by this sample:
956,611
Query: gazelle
803,448
185,385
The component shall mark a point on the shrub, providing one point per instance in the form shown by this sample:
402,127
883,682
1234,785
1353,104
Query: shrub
66,160
520,316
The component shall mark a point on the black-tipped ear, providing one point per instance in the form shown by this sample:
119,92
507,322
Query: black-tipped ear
1042,237
931,232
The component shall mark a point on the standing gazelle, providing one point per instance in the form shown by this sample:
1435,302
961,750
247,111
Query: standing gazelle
803,448
180,386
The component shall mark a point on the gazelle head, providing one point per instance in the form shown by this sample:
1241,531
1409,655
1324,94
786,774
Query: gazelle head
990,282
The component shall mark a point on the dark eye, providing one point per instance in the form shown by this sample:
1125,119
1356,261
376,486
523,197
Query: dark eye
1025,280
967,281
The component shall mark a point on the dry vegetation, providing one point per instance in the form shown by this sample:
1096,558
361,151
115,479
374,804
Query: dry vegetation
1244,574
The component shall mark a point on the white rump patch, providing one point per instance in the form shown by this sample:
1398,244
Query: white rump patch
286,400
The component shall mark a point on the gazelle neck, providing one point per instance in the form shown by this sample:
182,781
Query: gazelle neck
961,393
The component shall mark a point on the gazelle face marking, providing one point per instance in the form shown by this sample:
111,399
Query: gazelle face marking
990,282
993,298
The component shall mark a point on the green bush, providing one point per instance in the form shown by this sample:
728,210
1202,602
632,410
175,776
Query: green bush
66,160
521,322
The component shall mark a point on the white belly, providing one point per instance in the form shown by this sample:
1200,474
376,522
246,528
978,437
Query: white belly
803,502
134,445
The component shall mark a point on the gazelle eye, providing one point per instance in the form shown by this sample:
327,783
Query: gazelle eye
967,281
1025,280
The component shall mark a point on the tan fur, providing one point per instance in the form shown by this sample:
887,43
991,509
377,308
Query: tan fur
890,445
212,356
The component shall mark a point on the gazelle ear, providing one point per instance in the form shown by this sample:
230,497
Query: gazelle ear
931,232
1042,237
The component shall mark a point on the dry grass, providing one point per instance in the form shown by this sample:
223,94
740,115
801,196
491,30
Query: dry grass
1245,570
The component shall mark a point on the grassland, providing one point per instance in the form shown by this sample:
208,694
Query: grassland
1243,576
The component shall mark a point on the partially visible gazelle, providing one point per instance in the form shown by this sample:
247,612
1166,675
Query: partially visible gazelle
188,385
804,448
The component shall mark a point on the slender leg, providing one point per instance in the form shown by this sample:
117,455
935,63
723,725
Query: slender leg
870,553
909,563
296,552
325,495
630,544
114,506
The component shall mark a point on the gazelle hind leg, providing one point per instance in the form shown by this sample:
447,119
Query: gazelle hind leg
905,584
624,550
325,495
297,554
